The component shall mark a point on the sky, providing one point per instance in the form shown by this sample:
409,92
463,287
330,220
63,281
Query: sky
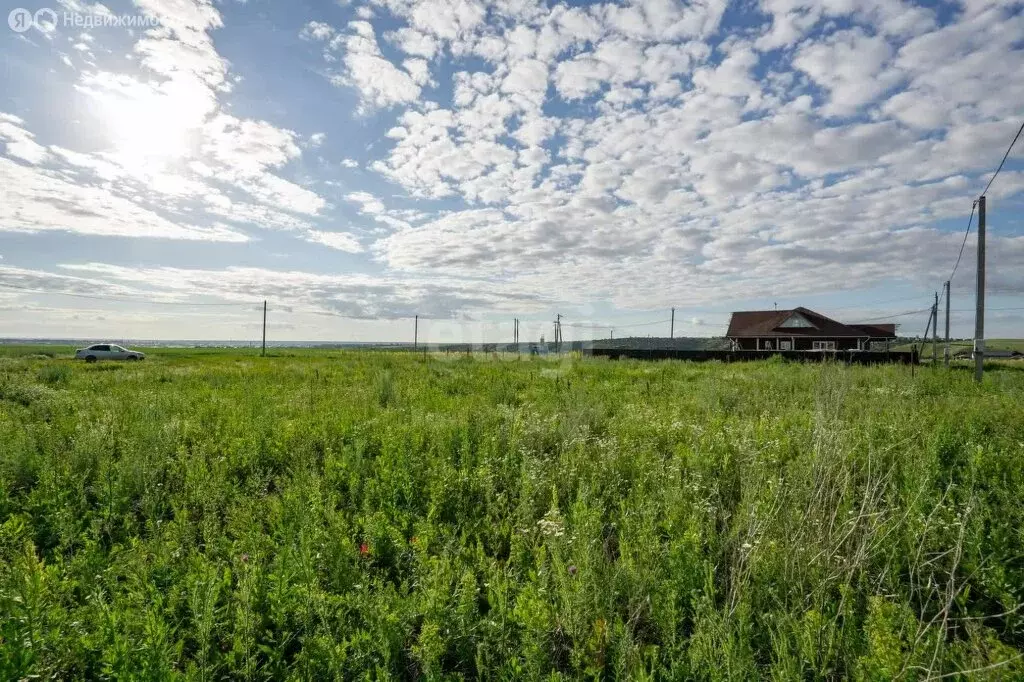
168,165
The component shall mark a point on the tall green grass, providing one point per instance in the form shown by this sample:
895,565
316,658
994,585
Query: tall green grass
372,515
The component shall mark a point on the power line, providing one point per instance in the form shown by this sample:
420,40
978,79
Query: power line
974,205
890,317
874,303
961,254
642,324
971,310
617,326
979,313
582,325
1005,156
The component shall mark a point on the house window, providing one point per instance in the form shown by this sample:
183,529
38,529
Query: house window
879,345
824,345
785,345
796,321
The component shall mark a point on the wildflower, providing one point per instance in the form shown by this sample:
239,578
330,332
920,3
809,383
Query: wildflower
414,540
552,524
572,570
364,549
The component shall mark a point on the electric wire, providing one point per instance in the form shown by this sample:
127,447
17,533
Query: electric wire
904,314
964,243
1005,156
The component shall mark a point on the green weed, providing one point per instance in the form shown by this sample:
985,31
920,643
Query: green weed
54,375
345,515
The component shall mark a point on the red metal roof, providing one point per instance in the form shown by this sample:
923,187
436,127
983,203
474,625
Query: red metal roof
765,323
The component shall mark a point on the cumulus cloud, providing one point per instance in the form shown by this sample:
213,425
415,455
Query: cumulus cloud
18,142
747,165
380,83
341,241
317,30
641,153
34,202
849,65
161,145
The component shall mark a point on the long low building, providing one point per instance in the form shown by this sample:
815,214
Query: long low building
803,329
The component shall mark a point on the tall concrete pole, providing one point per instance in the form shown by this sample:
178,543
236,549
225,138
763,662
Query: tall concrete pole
979,315
927,330
948,293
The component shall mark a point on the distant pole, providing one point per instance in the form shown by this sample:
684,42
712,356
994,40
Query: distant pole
979,315
948,292
264,351
924,341
935,332
416,334
672,331
611,333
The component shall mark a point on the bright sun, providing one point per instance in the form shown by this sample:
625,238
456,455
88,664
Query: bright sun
149,131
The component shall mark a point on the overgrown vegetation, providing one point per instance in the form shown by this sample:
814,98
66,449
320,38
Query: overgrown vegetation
363,515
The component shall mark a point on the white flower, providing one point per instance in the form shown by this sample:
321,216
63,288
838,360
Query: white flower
552,524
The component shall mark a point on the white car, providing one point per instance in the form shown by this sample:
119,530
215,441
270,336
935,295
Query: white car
107,351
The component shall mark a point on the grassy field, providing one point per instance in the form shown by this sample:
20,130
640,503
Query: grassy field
356,515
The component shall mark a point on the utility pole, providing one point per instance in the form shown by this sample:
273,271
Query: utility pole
924,341
947,324
263,353
935,331
672,332
979,315
611,333
416,334
558,333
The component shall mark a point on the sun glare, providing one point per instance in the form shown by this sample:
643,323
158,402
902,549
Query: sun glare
148,132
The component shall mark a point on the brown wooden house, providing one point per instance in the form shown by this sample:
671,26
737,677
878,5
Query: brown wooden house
803,329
